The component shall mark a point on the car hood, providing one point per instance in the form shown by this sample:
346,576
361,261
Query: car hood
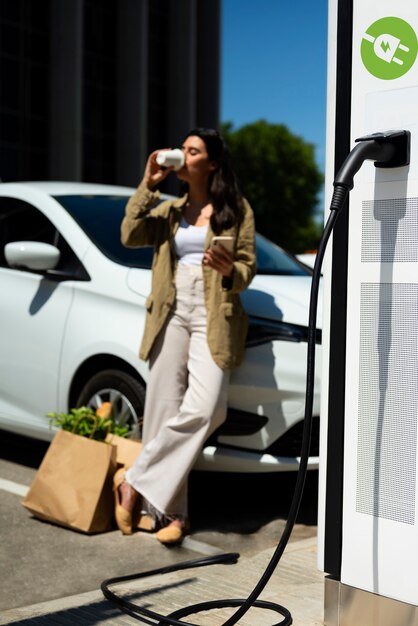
280,298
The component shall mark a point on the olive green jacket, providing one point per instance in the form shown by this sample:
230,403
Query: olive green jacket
147,223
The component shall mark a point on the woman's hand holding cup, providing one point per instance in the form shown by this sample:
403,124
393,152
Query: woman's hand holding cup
154,173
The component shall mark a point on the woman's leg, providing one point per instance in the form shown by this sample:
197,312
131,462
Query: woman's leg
203,408
166,386
186,402
167,380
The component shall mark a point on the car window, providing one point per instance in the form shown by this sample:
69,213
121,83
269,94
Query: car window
271,259
100,217
21,221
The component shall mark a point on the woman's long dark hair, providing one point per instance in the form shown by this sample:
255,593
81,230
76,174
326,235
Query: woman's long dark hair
224,192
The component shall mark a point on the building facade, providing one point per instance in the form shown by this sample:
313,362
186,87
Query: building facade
90,87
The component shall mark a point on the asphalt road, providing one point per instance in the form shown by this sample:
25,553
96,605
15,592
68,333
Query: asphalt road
228,513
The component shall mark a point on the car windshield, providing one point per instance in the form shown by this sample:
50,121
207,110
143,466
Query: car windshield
100,217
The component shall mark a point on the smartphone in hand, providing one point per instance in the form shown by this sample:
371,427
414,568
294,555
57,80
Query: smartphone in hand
226,241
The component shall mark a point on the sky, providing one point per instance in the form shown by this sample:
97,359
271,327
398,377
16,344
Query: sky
273,66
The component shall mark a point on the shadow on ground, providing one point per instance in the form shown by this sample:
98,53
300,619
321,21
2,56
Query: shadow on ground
23,450
227,502
248,501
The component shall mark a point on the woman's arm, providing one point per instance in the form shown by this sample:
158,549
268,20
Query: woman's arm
244,266
138,226
237,269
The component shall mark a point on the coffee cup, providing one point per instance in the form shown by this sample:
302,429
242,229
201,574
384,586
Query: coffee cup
171,158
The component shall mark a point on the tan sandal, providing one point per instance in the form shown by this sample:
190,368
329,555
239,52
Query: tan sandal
145,523
173,533
123,517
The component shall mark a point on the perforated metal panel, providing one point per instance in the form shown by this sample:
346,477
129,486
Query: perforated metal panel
388,401
389,231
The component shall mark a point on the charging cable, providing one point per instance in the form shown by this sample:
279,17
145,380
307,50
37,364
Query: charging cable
389,149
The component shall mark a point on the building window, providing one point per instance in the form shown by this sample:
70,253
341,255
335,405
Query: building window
99,92
158,73
24,85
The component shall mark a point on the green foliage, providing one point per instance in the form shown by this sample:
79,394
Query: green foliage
278,175
85,422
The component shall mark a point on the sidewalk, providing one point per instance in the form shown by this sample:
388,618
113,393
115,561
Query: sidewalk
296,584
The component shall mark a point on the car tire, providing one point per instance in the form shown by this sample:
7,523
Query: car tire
124,391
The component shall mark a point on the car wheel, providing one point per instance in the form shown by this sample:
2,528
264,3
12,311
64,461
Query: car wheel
123,391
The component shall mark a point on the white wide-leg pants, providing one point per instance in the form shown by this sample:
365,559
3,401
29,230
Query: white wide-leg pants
186,401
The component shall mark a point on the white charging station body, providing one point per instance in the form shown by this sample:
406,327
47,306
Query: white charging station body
368,507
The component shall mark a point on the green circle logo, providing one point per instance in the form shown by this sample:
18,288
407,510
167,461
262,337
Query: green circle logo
389,48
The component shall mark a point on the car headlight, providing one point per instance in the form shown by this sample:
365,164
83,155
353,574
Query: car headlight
261,331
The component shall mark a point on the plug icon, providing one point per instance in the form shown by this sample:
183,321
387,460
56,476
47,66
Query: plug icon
385,47
388,48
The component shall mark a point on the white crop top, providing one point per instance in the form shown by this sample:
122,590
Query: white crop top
190,243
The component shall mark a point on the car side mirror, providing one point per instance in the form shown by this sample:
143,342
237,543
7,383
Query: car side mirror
32,255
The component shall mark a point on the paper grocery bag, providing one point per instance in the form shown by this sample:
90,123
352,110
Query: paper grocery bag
73,485
126,449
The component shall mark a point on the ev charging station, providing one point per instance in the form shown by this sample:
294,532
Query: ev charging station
368,515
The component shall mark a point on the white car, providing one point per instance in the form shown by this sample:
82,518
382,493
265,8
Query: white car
72,312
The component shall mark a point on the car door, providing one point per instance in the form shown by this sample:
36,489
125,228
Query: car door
33,313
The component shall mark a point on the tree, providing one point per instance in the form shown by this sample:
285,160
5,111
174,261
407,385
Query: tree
278,175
